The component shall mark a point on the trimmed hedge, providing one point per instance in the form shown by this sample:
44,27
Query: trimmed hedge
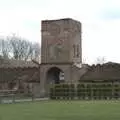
85,91
62,91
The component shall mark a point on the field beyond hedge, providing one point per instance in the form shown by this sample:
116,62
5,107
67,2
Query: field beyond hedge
61,110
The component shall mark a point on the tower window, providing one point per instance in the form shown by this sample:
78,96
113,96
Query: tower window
76,50
77,54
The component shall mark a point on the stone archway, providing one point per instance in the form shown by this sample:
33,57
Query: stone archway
55,76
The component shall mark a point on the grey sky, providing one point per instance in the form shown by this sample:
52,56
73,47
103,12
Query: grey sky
100,22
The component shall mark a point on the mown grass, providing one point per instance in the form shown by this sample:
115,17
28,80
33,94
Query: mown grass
61,110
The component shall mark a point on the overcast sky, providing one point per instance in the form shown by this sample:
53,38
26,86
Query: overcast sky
100,22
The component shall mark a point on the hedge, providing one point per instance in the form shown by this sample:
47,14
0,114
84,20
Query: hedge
62,91
85,91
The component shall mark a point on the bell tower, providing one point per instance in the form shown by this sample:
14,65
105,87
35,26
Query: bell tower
61,50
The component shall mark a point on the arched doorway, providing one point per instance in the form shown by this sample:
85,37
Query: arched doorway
55,76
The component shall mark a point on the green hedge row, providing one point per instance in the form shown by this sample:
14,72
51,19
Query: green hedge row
85,91
62,91
94,91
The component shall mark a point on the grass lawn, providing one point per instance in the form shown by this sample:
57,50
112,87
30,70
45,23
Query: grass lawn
64,110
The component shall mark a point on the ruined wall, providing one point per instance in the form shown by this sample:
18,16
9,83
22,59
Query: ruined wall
103,72
18,75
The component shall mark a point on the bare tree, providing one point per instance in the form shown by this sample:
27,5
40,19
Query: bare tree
84,60
100,60
19,49
36,52
23,49
5,48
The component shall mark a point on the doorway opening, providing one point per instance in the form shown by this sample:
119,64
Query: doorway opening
55,76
